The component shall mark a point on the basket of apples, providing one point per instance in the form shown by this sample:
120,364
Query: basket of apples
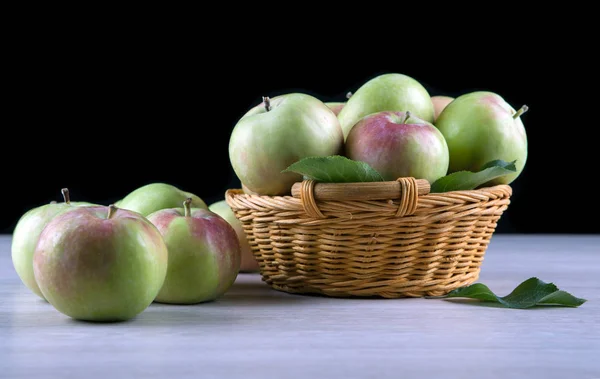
391,194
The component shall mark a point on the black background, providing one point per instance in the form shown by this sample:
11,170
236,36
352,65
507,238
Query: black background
104,115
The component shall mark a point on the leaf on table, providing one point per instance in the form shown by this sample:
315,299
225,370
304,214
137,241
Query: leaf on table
532,292
335,169
468,180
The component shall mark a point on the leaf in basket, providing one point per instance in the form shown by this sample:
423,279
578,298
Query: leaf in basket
468,180
335,169
530,293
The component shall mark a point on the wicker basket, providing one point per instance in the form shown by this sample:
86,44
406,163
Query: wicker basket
382,239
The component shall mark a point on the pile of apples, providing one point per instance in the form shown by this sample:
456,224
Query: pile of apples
109,263
390,122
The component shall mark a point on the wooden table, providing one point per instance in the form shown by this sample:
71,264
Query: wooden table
257,332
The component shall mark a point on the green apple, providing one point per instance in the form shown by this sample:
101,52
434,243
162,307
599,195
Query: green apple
100,263
249,263
278,132
155,196
204,254
248,191
397,144
335,106
387,92
26,235
480,127
439,103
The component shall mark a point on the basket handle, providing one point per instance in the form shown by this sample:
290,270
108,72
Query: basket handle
407,190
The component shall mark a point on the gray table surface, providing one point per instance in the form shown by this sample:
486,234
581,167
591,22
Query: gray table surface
256,332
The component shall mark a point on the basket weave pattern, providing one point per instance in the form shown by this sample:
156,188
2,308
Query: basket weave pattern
408,246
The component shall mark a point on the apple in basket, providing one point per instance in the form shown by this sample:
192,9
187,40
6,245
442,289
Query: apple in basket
387,92
275,134
337,106
398,144
439,103
480,127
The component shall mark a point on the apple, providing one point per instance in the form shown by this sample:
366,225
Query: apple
336,106
248,191
27,232
278,132
387,92
249,263
397,144
155,196
100,263
204,254
480,127
439,103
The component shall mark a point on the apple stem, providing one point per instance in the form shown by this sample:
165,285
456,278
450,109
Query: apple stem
348,95
66,197
406,117
523,109
267,102
112,209
187,206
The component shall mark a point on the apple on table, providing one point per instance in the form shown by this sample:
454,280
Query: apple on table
248,262
100,263
27,232
204,254
155,196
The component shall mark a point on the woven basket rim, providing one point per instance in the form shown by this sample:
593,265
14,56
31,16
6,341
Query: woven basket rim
495,188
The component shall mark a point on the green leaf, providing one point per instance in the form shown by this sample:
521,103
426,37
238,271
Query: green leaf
499,163
530,293
335,169
468,180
